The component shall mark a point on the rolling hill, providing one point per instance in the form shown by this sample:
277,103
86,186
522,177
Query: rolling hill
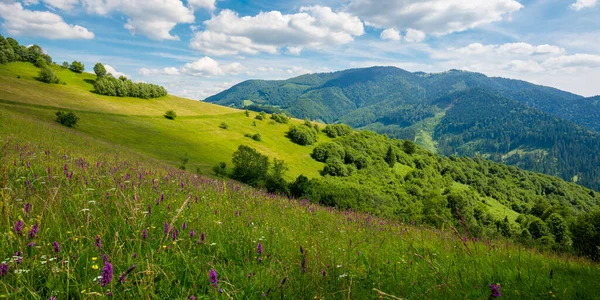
417,106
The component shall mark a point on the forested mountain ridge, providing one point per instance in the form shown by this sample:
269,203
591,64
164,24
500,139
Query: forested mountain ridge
419,106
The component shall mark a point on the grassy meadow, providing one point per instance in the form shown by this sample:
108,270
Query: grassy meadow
102,211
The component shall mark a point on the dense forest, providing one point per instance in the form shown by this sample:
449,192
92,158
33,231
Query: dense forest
369,172
453,113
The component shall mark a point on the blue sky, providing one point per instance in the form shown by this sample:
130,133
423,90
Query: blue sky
196,48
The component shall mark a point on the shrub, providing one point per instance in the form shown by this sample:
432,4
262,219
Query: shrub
302,135
257,137
47,75
171,115
40,62
65,65
328,150
247,113
336,130
99,70
249,166
220,169
280,118
77,67
68,119
224,125
261,116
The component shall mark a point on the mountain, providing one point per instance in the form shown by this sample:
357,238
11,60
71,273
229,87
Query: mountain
438,112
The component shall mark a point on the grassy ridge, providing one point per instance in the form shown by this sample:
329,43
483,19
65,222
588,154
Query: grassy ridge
130,121
78,191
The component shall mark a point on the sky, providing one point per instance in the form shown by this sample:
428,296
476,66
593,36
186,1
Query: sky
197,48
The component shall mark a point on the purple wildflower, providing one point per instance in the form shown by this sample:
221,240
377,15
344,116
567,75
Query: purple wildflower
184,226
19,256
202,237
31,244
192,233
33,231
213,278
107,274
174,234
149,209
323,272
19,227
27,208
495,289
56,247
3,269
304,264
98,243
166,227
145,233
52,298
124,275
193,297
259,249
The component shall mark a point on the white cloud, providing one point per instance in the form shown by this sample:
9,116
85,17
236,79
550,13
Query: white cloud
390,34
152,18
295,70
581,4
114,72
437,17
206,4
23,22
573,61
313,27
62,4
414,36
502,51
204,67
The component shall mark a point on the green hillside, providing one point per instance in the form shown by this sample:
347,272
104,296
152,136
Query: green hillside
417,106
131,121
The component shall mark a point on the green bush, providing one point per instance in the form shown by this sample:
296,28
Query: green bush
302,135
68,119
123,87
257,137
249,166
220,169
280,118
171,115
47,75
336,130
40,62
224,125
77,67
261,116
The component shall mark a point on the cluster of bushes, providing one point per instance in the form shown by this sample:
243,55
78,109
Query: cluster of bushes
106,84
46,75
280,118
68,119
12,51
261,116
257,137
336,130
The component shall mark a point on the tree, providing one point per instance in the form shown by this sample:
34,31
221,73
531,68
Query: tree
65,65
99,70
40,62
68,119
249,166
47,75
302,135
390,157
77,67
275,182
299,187
220,169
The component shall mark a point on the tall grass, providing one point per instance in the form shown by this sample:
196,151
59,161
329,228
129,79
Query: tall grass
79,195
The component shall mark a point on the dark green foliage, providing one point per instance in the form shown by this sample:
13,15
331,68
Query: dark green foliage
40,62
11,51
261,116
68,119
484,116
249,166
184,160
224,125
123,87
220,169
336,130
390,157
99,70
275,182
299,187
247,113
170,114
586,235
77,67
537,228
65,65
47,75
280,118
302,135
329,150
257,137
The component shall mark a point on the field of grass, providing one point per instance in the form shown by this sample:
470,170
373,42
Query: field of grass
130,121
97,204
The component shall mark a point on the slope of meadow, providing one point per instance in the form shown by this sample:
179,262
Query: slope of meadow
113,222
130,121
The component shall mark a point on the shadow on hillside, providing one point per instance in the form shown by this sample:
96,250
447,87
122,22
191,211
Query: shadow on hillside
90,81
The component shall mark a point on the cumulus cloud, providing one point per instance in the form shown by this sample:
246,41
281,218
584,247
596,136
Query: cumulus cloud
19,21
313,27
152,18
414,36
206,4
582,4
504,50
114,72
437,17
391,34
204,67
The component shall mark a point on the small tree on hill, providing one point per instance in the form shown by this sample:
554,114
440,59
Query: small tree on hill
302,135
65,65
77,67
171,115
249,166
40,62
99,70
47,75
68,119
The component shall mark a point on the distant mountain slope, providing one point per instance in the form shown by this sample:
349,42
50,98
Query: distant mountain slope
422,107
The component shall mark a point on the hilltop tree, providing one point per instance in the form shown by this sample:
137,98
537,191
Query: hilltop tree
249,166
99,70
47,75
77,67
